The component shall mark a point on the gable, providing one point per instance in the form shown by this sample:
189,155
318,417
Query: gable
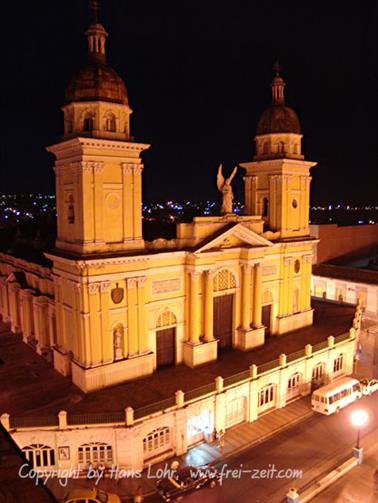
235,237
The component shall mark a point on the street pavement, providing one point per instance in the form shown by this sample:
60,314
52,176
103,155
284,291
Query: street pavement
359,485
314,446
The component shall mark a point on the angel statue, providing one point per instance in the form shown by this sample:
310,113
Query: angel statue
224,186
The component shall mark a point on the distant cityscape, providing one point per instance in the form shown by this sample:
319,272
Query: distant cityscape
33,208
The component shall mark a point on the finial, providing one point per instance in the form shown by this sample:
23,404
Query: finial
278,85
94,9
277,68
96,35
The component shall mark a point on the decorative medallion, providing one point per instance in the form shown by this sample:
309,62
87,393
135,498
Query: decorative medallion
117,294
297,266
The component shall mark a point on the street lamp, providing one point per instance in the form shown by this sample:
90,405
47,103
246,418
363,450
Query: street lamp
359,418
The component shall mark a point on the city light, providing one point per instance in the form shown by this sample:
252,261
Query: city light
359,418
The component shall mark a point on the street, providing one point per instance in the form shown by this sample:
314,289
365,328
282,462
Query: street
312,446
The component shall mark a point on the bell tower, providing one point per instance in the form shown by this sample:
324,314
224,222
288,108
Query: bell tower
98,167
277,182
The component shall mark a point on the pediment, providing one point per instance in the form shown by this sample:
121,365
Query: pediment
235,237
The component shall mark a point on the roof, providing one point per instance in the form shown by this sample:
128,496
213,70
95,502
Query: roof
278,118
96,81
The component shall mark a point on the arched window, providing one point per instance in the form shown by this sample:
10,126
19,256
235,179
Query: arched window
265,207
88,124
95,453
223,280
318,372
280,147
156,441
166,319
39,455
338,363
111,123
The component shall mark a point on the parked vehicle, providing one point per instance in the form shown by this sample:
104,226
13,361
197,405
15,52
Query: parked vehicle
87,495
336,395
368,386
186,480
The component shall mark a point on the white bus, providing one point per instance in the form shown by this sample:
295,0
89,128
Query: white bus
332,397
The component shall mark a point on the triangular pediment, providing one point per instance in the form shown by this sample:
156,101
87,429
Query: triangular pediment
234,237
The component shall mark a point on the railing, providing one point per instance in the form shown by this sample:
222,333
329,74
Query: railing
97,418
196,392
154,407
341,337
265,367
236,378
291,357
30,421
319,346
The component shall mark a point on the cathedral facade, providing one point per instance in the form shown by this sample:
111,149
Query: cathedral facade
108,306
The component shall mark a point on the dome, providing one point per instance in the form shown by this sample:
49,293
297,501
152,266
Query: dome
96,81
278,118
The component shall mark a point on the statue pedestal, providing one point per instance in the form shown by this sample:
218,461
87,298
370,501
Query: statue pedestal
203,352
249,339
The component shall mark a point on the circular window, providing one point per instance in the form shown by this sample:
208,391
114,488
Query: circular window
294,203
297,266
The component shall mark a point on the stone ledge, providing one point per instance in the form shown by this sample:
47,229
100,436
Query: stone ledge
203,352
249,339
114,373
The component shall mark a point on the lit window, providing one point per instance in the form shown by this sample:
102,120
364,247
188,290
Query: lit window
39,455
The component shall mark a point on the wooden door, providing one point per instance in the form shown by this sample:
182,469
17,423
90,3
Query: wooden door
223,309
266,318
165,346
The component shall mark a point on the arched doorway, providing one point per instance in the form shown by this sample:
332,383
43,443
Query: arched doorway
166,339
224,285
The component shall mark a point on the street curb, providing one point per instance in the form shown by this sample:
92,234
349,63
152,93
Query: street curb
238,450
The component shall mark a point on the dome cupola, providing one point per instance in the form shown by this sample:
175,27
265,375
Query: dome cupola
278,130
96,100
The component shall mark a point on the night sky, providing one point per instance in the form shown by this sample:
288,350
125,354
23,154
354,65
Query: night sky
198,76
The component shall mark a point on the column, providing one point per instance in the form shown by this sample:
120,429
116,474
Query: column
289,291
41,325
95,328
209,308
308,272
257,295
107,341
14,306
128,217
75,321
132,329
137,201
86,185
51,323
246,297
194,307
142,324
98,168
